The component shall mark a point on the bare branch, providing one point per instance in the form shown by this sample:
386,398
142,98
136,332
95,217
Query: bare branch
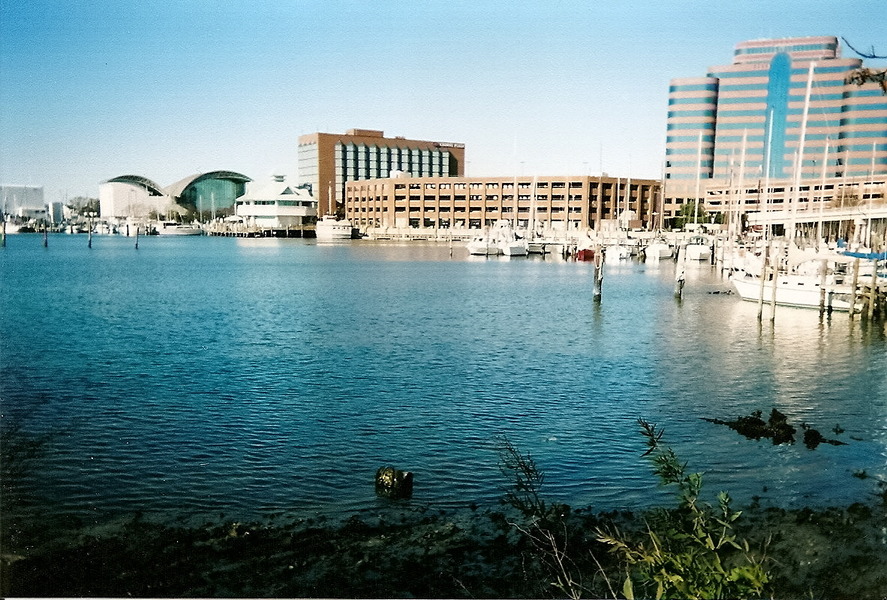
871,54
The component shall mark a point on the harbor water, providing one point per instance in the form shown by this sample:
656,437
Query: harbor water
195,377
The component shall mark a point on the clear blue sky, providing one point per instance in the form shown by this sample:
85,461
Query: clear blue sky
93,89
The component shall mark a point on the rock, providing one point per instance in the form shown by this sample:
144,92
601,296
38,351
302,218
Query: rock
393,483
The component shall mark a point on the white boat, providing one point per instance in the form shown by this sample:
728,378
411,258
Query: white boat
482,245
798,289
514,247
617,252
330,228
174,228
657,250
537,247
698,248
511,244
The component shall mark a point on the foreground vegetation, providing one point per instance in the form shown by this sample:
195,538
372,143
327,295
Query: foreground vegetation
526,547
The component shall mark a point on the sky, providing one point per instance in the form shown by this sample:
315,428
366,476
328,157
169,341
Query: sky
95,89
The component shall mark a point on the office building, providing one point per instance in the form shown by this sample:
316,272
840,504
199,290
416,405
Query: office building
780,113
327,161
565,203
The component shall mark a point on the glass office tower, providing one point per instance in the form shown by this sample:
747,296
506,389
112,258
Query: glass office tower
781,103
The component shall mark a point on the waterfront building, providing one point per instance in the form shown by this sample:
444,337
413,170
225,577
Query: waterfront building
328,161
203,196
208,195
276,205
131,196
779,124
552,202
21,200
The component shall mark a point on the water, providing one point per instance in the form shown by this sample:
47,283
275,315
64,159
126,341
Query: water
195,377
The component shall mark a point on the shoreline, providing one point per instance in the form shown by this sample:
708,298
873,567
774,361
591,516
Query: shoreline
473,552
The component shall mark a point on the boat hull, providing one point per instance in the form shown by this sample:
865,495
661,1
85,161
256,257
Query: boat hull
179,230
657,251
793,291
514,249
332,229
698,252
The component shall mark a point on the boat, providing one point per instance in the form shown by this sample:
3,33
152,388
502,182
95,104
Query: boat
514,247
657,250
482,245
331,228
511,244
618,252
537,246
698,248
175,228
585,254
801,288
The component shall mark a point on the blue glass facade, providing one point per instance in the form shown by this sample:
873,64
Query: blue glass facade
753,112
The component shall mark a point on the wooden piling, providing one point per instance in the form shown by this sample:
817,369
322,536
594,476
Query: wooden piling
598,292
853,288
873,292
680,273
766,258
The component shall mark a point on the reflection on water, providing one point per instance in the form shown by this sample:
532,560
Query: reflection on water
258,376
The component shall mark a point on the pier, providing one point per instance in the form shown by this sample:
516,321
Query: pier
245,231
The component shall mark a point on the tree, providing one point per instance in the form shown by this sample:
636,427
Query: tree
688,215
81,205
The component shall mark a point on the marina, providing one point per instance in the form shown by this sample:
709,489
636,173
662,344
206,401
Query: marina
195,376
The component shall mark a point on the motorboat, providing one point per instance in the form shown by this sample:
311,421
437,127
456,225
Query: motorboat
697,248
512,245
537,246
617,252
657,250
175,228
331,228
482,245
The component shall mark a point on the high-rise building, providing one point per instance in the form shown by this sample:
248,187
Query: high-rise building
781,103
327,160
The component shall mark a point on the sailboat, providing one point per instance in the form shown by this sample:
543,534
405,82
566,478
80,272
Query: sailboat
812,283
329,227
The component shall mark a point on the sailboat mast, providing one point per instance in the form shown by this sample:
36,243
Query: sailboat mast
799,155
822,194
768,225
741,201
698,180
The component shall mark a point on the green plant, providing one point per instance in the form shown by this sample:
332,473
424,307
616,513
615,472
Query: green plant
526,480
690,551
544,525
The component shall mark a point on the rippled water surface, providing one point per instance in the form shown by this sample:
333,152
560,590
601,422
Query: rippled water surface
199,376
